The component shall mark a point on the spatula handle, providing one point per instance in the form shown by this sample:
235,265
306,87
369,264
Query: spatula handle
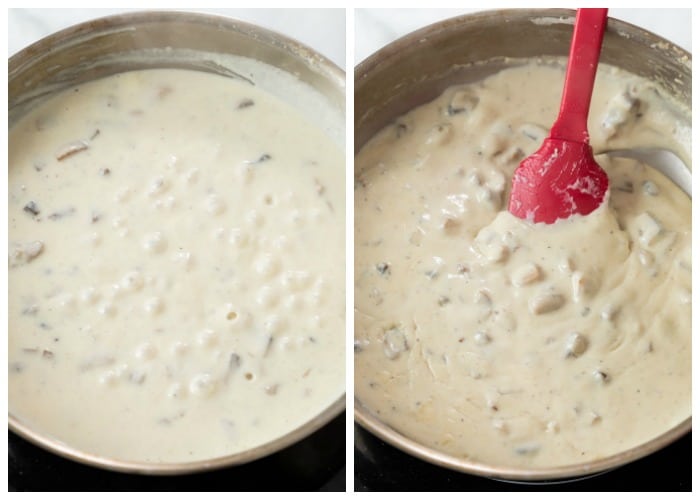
572,123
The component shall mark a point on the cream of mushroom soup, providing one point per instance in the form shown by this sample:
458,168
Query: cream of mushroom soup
485,336
176,267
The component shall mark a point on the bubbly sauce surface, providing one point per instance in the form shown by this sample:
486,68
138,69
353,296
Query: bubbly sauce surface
486,336
176,267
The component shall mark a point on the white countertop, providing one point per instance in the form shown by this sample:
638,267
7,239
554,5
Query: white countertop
378,27
321,29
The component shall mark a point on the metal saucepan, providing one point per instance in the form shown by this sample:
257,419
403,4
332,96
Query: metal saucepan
200,42
420,66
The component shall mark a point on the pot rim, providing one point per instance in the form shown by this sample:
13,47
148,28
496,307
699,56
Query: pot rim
172,468
391,50
321,65
114,22
369,421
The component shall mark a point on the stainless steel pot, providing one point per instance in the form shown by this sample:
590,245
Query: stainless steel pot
420,66
176,40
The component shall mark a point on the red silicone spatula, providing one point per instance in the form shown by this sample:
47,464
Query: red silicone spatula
562,178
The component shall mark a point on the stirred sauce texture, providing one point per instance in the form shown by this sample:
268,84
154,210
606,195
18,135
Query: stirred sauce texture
486,336
176,267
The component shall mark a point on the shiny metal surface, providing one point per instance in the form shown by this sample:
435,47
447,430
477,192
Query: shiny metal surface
420,66
163,39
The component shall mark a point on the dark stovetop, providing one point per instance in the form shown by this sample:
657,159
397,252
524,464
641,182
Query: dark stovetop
381,467
316,463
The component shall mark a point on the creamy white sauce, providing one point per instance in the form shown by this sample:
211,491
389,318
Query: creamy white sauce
176,267
484,336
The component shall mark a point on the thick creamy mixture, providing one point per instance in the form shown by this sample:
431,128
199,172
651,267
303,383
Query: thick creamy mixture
488,337
176,267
